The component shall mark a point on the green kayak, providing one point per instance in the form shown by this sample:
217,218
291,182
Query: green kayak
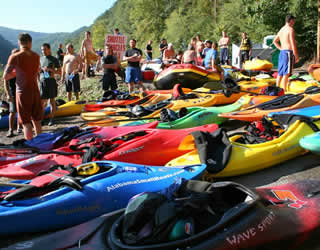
197,116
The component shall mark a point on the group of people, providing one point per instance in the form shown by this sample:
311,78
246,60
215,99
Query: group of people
26,68
200,53
30,82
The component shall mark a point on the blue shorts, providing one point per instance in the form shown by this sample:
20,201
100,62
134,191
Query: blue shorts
224,55
133,74
286,61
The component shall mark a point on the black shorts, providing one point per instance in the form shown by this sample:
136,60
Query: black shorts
12,105
244,55
74,84
48,88
109,81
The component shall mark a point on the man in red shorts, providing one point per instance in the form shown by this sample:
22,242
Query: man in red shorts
27,64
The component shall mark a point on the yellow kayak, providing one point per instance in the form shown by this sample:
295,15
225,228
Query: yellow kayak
71,108
257,64
299,86
246,158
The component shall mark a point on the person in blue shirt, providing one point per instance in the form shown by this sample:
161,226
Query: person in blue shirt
210,60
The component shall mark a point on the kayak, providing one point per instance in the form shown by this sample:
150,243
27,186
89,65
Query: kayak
73,197
281,103
132,100
309,111
314,70
275,217
71,108
299,85
214,97
197,116
4,119
240,154
257,64
145,102
188,75
311,143
49,141
148,146
138,112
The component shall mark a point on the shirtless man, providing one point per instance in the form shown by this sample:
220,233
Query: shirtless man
28,101
72,64
88,53
169,55
223,44
288,51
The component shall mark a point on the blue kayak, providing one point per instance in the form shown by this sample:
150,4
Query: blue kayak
310,111
75,198
311,143
4,119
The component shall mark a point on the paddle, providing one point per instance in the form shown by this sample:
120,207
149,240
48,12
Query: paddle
38,151
122,120
17,185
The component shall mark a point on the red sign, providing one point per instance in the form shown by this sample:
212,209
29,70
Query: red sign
118,44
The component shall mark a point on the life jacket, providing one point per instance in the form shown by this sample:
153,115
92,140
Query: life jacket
95,148
46,181
245,44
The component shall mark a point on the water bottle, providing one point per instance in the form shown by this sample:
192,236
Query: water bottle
71,76
46,74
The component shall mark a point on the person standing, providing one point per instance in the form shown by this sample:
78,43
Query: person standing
117,32
245,49
48,85
27,64
288,51
148,50
10,91
223,44
88,53
60,54
208,45
109,63
72,65
162,46
133,70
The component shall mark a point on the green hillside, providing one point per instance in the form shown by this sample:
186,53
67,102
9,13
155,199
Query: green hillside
180,20
5,50
54,39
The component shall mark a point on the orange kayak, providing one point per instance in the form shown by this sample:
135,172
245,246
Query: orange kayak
282,103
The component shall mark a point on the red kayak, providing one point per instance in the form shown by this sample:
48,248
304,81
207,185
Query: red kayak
133,100
145,146
12,155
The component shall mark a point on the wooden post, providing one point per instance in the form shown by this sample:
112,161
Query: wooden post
318,38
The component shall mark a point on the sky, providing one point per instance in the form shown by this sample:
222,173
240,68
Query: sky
51,16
